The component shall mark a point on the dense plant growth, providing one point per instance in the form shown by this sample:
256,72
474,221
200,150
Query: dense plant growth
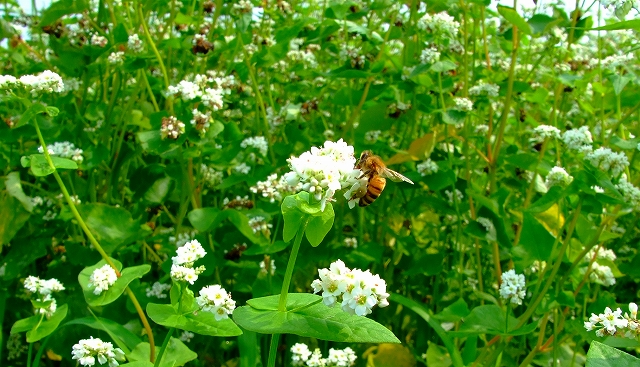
182,183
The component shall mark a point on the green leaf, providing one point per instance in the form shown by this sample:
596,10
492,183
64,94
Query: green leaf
296,210
12,217
60,8
535,239
22,255
30,114
601,355
552,196
307,316
511,15
112,226
619,82
490,319
249,349
40,167
110,295
123,337
38,327
270,248
442,66
628,24
176,354
199,322
427,316
14,188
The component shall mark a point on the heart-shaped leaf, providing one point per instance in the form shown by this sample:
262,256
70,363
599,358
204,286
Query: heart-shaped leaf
307,316
199,322
38,327
110,295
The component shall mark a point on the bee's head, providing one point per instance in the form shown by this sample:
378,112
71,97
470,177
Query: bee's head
363,157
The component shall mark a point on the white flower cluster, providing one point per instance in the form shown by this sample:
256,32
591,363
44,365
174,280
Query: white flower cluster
268,269
614,323
210,175
200,87
257,142
600,273
88,351
484,89
608,160
45,82
462,104
181,238
357,291
323,171
558,176
578,139
157,290
429,55
242,168
306,55
134,43
427,167
98,40
116,58
372,136
544,132
630,193
259,225
186,336
453,199
302,356
350,242
44,289
513,287
185,89
171,128
102,279
201,121
182,268
441,24
215,299
64,149
274,188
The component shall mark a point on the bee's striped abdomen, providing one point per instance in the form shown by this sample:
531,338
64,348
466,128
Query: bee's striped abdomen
374,189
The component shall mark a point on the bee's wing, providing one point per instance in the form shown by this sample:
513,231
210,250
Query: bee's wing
394,176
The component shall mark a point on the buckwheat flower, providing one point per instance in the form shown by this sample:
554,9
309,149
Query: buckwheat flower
607,160
48,310
45,82
579,140
189,253
201,121
210,175
440,24
212,98
270,269
512,287
429,55
351,242
462,104
171,128
427,167
630,193
600,253
633,308
184,274
216,300
64,149
300,354
257,142
32,284
116,58
372,136
102,279
484,89
98,41
324,171
134,43
544,132
42,286
186,90
601,274
242,168
450,196
242,6
341,357
274,188
259,225
89,351
8,82
558,176
186,336
157,290
316,360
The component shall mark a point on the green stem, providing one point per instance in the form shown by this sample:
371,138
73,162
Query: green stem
164,346
29,353
153,46
273,350
36,360
93,240
282,305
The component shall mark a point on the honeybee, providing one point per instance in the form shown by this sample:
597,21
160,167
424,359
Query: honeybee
376,173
